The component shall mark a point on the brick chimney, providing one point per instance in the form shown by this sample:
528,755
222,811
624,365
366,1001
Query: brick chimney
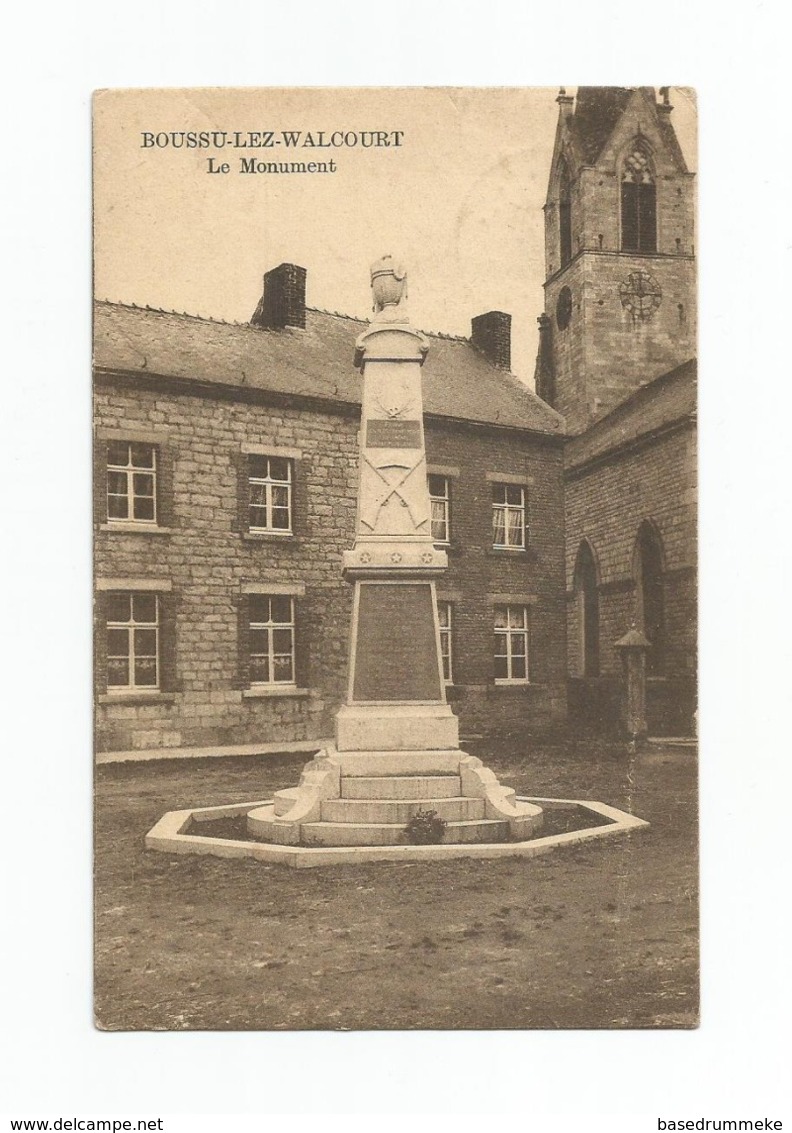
491,334
282,303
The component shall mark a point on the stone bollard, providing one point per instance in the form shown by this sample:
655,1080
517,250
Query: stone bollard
633,647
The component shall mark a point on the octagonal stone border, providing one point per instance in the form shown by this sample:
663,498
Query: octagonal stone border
168,836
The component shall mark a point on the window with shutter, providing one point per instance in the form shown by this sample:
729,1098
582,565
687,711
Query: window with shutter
270,504
445,617
271,639
133,641
508,516
131,482
440,499
511,644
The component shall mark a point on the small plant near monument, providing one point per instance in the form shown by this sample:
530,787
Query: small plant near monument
425,828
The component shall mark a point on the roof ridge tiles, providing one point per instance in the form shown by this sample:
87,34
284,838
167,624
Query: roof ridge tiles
368,322
170,311
337,314
130,306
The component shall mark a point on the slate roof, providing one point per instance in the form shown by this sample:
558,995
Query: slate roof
459,381
672,141
597,110
662,402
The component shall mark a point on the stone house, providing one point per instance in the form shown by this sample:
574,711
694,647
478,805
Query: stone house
225,481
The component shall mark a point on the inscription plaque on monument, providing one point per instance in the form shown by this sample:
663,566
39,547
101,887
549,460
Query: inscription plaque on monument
393,434
396,656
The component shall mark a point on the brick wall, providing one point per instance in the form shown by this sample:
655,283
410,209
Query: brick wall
478,574
208,560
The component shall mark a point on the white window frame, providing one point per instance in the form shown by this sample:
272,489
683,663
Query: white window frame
131,625
446,639
444,501
510,632
269,482
269,627
130,470
507,509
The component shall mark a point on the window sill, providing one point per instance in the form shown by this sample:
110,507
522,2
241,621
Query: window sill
495,551
135,528
136,696
287,539
269,691
452,549
514,685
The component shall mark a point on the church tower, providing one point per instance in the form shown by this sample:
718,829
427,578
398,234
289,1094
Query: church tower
619,252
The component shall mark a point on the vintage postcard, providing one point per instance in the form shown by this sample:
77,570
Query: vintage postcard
395,562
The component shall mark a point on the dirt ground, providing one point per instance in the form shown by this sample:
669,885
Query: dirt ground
601,935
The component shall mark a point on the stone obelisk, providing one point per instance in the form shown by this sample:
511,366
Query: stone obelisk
395,696
397,740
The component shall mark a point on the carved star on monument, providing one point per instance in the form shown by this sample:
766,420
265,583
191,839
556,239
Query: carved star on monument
396,557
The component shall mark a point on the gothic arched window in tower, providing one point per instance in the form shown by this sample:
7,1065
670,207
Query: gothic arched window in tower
564,213
638,201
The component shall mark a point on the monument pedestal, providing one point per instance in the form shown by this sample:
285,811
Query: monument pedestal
396,727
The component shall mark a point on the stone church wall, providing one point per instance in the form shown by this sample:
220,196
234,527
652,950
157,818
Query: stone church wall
606,504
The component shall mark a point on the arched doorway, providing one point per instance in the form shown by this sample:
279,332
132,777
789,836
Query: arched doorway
650,601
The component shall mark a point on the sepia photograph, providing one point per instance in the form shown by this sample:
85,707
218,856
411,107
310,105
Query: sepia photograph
395,559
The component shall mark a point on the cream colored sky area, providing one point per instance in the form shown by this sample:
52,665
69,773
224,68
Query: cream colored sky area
460,201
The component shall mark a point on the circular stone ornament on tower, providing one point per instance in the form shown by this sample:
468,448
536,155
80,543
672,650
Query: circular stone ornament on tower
640,294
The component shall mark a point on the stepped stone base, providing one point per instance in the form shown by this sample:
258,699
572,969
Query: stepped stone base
389,834
451,809
366,798
402,787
